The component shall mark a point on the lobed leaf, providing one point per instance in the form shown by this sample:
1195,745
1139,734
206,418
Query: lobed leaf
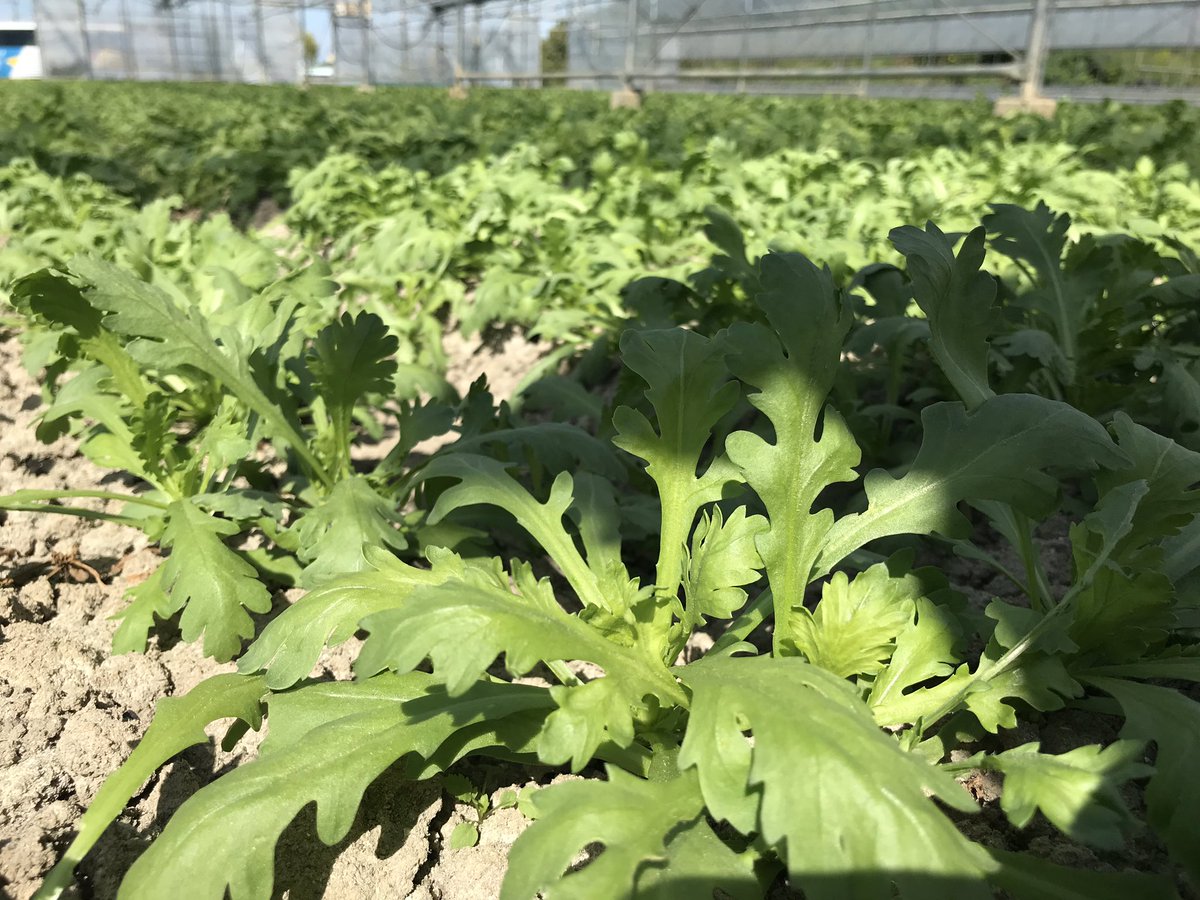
723,559
794,369
632,818
847,808
1078,791
213,585
690,390
292,642
924,650
957,299
999,451
350,358
1172,721
328,743
486,481
462,628
333,534
179,723
856,623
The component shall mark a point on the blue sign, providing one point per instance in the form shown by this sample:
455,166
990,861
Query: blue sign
8,59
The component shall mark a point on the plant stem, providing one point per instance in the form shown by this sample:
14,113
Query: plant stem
33,495
1035,578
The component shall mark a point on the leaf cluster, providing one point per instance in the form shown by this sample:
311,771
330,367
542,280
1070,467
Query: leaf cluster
775,695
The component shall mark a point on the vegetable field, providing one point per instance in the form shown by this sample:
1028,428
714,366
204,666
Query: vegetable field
513,497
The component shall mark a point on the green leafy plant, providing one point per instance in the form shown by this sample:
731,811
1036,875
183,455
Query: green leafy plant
185,406
814,736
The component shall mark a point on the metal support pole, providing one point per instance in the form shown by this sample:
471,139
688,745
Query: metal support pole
229,70
368,72
173,41
631,25
823,74
525,55
477,40
131,68
460,26
85,38
212,42
193,67
868,55
302,28
404,58
440,22
260,39
748,9
1035,52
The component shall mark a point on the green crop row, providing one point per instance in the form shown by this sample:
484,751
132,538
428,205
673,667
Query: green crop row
700,556
229,147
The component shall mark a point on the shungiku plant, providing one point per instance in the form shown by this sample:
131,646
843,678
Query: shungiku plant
813,737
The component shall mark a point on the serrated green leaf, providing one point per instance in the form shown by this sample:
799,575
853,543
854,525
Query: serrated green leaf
858,816
1181,395
333,534
292,642
1181,553
349,359
148,601
1120,616
1117,613
725,234
690,390
1041,681
697,862
486,481
328,742
957,299
462,628
1172,721
1172,477
924,650
170,338
1038,345
723,559
352,357
1014,623
997,452
154,440
224,442
587,716
1039,237
416,422
1078,791
111,445
179,723
565,397
213,586
856,623
59,301
596,514
631,817
794,370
